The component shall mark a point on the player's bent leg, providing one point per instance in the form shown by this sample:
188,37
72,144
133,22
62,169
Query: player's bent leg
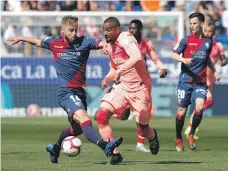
140,143
180,116
102,117
198,113
151,135
189,127
54,149
89,132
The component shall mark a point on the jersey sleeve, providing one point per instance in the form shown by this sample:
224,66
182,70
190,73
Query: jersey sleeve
93,43
45,43
180,47
130,45
153,55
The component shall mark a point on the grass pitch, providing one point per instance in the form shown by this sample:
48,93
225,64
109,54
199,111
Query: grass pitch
24,141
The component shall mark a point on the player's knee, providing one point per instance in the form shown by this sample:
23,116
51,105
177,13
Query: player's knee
199,106
80,116
125,114
142,130
102,117
182,111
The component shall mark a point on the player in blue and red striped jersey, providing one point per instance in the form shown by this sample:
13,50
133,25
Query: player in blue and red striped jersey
217,56
70,57
192,86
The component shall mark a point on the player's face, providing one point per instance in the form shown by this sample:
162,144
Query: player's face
134,29
209,32
195,25
111,32
70,31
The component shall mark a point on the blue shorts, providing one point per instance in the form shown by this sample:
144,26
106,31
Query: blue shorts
188,92
71,100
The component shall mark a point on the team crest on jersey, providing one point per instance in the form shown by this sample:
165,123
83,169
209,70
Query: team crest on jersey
207,45
76,46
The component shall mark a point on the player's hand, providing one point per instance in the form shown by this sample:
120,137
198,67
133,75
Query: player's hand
187,61
13,40
105,49
222,62
217,76
104,82
163,73
117,79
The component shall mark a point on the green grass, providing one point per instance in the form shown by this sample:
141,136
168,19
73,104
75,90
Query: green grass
24,141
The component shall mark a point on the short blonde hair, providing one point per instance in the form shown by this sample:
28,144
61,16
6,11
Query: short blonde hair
69,19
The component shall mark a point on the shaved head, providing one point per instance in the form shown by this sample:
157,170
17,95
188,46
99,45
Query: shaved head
113,20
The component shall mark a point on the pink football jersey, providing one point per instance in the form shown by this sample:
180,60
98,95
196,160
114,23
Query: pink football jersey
216,51
129,63
147,47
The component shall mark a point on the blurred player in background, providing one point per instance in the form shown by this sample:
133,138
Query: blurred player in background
192,86
147,48
70,57
132,86
217,56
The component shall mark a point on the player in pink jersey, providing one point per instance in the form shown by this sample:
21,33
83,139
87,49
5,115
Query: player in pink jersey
146,47
133,84
217,56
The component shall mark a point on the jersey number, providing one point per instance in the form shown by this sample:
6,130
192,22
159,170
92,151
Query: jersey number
180,94
76,100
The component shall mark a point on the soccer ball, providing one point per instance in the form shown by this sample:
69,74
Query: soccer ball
33,110
71,146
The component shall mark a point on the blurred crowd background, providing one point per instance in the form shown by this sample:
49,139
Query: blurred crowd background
162,31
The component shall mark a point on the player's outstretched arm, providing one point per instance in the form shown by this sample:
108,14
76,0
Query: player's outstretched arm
33,41
158,63
154,56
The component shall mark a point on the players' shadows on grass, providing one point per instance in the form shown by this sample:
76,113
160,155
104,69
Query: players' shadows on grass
175,162
187,150
148,162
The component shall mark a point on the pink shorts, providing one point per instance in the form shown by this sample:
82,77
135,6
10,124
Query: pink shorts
140,102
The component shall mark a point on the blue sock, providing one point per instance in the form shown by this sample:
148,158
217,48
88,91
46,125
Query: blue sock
197,117
89,132
179,125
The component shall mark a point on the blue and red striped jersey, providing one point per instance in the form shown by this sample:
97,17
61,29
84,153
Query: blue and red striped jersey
199,50
70,59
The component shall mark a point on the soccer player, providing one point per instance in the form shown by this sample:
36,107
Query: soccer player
70,56
147,48
217,56
192,86
132,86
